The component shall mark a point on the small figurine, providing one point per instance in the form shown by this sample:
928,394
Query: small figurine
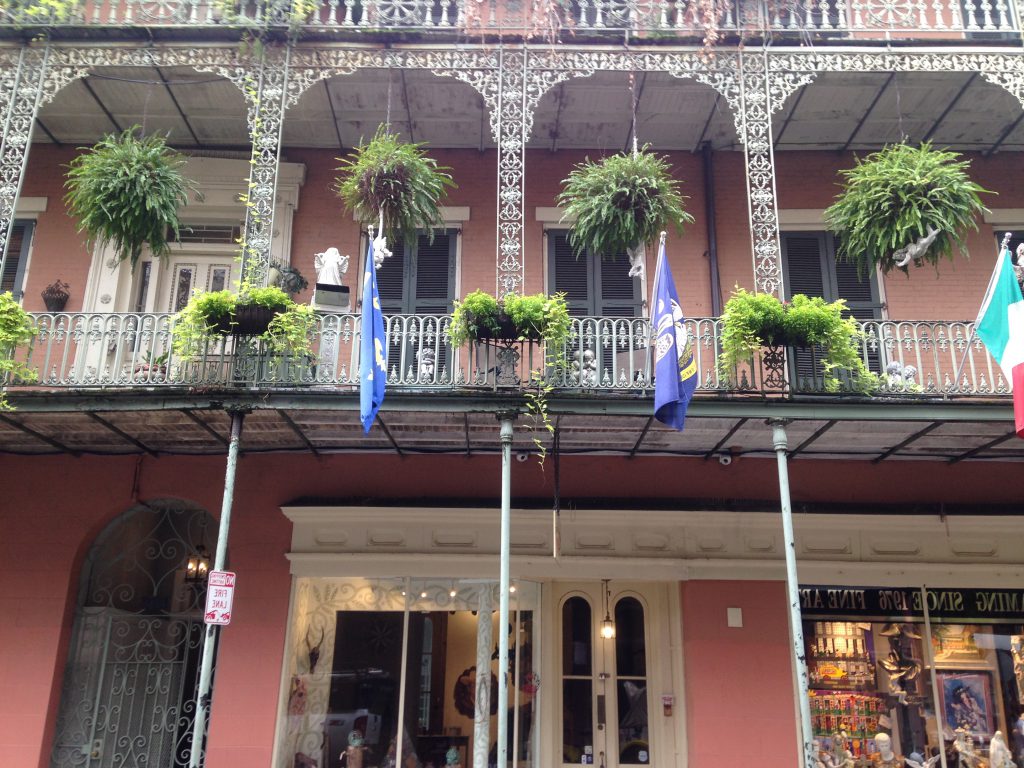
999,755
886,758
426,357
841,756
353,755
963,744
452,759
330,266
916,250
917,761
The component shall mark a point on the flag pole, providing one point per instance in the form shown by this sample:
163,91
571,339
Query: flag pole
657,275
1003,246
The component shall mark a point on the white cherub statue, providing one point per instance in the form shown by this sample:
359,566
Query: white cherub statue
330,266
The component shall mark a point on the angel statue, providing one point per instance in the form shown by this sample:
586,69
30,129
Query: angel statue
999,755
330,266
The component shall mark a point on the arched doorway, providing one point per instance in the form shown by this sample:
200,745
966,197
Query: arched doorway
128,694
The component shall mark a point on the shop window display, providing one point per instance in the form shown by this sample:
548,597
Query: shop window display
917,678
385,674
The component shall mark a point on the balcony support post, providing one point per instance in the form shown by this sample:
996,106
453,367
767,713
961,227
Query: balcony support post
22,75
761,94
266,96
506,419
796,632
204,689
510,123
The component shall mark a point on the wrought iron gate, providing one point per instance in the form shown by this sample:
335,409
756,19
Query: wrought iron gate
128,698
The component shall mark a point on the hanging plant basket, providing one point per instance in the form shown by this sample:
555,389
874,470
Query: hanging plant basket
506,330
620,203
252,320
55,296
126,191
394,179
904,206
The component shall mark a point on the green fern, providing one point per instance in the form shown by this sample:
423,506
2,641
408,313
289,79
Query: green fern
892,197
126,191
397,178
620,202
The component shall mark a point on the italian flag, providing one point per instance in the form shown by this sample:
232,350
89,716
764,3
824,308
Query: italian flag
1000,326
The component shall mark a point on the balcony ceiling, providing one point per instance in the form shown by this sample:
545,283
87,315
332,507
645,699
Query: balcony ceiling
837,111
291,425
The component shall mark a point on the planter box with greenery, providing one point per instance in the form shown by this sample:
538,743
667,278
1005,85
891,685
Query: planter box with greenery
904,205
751,321
480,316
16,330
266,314
621,203
127,191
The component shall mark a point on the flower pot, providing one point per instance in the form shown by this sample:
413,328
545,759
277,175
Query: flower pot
507,330
251,320
56,296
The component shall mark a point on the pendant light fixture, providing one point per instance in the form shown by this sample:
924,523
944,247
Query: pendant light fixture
607,626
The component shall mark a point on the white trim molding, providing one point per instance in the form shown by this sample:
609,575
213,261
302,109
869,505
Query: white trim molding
31,207
802,219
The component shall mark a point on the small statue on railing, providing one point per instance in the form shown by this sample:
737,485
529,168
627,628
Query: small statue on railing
899,376
584,368
1018,266
426,358
330,267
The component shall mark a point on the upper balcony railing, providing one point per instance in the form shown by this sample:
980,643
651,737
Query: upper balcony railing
606,356
647,19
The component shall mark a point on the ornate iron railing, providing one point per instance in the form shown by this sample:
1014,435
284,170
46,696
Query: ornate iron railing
605,355
858,19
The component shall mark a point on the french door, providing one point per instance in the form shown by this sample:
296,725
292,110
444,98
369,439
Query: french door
614,662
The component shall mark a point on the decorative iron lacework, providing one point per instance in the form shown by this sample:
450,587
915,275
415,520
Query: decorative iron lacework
129,686
755,85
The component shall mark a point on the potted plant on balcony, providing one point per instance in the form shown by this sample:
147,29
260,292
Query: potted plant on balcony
621,203
126,191
393,184
55,296
40,11
16,330
904,205
480,316
266,314
751,321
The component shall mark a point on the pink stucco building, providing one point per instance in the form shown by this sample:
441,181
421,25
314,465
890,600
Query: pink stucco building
368,565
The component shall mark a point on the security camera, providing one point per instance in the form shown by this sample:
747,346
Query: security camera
725,459
522,456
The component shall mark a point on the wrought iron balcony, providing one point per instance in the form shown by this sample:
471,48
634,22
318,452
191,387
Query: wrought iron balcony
606,357
850,19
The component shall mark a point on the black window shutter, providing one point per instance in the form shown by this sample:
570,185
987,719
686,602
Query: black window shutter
571,275
803,254
391,281
861,293
434,269
17,247
620,293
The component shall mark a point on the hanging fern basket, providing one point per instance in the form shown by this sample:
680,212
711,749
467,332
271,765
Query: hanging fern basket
904,206
127,191
621,202
394,179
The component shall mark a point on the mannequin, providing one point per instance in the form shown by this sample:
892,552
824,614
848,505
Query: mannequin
886,758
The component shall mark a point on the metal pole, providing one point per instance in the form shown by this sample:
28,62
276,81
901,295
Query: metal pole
210,641
400,739
503,584
793,594
929,659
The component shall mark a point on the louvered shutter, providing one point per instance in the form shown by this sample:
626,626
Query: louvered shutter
619,293
861,293
804,254
434,280
571,275
391,281
804,262
17,255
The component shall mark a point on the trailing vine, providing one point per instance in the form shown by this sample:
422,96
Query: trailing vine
16,330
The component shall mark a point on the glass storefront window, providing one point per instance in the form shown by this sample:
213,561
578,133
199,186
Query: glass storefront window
384,673
904,673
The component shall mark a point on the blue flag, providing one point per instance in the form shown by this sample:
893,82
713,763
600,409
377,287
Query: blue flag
675,373
373,367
